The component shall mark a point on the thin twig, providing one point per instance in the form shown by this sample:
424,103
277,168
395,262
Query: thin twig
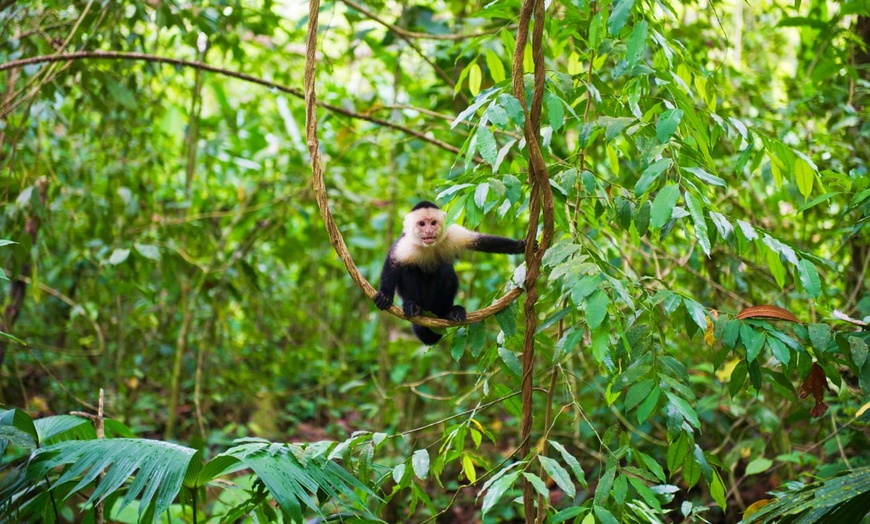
405,34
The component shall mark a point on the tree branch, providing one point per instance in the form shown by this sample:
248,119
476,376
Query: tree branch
120,55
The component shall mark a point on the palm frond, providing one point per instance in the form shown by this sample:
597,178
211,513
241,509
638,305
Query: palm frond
844,498
64,427
157,468
293,475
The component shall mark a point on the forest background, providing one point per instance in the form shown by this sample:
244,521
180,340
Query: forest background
700,324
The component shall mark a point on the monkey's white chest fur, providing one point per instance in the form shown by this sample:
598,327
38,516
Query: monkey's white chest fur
411,251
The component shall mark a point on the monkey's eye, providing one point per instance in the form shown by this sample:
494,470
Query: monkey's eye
434,222
421,223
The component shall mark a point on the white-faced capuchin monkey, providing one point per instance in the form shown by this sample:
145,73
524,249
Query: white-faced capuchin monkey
419,265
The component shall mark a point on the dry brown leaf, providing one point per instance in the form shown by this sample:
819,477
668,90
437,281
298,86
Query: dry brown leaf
756,506
767,311
815,384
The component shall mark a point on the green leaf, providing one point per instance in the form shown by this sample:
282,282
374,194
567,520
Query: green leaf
475,77
537,483
559,475
758,465
51,427
480,194
779,351
732,331
613,126
816,201
859,351
774,264
641,218
619,16
572,461
638,393
149,251
468,468
495,66
652,465
667,124
157,469
497,489
717,490
476,338
420,463
649,404
118,256
688,412
636,43
820,336
511,361
697,312
584,288
804,176
738,378
399,473
507,320
663,205
651,174
645,493
555,111
678,450
596,30
22,422
596,308
513,107
697,213
810,278
605,484
705,177
497,115
691,471
291,473
486,145
603,515
457,346
753,349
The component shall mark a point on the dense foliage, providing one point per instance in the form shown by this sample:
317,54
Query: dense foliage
702,336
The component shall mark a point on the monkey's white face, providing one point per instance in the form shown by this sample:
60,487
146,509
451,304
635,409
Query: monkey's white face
426,225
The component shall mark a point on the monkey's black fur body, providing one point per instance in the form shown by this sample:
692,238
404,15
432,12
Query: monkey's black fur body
419,266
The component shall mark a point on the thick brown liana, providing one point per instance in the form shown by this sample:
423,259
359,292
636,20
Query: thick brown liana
332,230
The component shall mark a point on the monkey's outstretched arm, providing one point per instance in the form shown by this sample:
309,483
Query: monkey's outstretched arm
462,238
496,244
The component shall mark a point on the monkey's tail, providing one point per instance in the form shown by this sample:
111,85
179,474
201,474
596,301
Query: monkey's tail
426,335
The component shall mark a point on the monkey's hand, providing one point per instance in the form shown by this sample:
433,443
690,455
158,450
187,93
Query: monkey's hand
411,308
457,314
383,301
521,247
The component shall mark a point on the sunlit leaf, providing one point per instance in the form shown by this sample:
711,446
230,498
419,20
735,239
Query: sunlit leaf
619,16
663,205
475,77
667,124
804,176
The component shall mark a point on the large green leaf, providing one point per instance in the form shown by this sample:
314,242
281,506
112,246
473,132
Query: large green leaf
21,423
663,205
845,498
157,469
292,474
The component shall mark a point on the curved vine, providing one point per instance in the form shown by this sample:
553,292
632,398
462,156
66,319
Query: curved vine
332,230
